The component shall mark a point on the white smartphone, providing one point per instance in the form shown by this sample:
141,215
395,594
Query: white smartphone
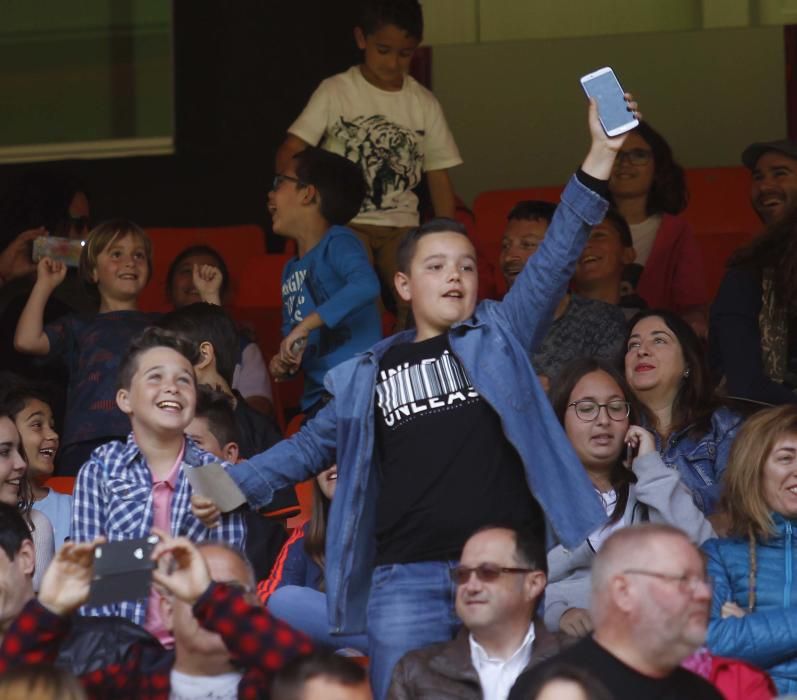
602,85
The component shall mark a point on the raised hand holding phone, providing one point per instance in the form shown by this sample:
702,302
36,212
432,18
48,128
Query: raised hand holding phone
615,115
603,149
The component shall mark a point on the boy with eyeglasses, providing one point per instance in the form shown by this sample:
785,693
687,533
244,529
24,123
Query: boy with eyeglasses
329,288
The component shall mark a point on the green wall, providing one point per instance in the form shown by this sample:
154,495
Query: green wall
85,70
518,112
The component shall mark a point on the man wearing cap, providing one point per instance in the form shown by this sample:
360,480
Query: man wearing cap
774,188
752,335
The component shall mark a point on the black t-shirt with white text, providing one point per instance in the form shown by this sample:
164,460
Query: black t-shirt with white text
446,466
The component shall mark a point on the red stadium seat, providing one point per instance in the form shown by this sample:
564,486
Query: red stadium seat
716,249
719,201
236,244
61,484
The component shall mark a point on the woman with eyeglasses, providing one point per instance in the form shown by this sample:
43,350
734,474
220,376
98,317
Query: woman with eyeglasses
649,189
599,414
665,366
754,603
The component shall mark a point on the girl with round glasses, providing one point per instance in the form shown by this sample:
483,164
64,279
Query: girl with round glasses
599,414
649,189
665,367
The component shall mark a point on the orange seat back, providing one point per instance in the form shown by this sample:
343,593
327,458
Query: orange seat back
258,305
61,484
719,201
236,244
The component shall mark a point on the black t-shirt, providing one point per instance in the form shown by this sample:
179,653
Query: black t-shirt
622,682
446,466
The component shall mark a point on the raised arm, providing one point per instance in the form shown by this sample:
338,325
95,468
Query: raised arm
529,305
30,336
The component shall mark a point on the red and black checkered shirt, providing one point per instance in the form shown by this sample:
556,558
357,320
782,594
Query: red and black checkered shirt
259,643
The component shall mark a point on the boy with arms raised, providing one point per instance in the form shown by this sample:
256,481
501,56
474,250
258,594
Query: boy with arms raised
441,430
126,488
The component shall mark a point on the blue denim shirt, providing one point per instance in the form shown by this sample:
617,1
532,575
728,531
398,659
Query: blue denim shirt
494,347
701,460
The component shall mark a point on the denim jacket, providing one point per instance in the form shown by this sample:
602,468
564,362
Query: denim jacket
493,346
701,461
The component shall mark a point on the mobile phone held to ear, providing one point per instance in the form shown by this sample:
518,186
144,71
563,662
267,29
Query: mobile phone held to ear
122,571
603,87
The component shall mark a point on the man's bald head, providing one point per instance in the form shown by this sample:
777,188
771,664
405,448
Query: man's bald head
650,594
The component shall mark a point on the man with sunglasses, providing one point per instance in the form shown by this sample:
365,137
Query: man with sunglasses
650,607
499,582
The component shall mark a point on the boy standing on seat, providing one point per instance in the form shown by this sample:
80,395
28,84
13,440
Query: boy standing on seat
443,429
391,126
329,289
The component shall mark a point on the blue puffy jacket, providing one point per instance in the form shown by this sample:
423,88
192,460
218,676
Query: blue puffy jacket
767,637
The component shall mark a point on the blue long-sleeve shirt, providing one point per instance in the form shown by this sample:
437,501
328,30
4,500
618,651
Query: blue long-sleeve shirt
336,280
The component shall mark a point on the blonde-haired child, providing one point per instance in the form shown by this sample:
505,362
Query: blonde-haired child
116,262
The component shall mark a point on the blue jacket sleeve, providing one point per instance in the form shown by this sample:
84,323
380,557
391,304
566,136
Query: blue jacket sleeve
290,461
762,638
529,305
347,257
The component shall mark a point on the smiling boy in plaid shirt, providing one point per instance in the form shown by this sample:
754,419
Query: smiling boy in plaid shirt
127,488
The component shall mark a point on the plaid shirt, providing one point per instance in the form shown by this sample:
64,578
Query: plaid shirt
259,643
113,497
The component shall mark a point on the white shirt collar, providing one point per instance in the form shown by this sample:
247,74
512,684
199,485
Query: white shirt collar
497,676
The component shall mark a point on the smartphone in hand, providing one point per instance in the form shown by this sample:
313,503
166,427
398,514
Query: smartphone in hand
122,571
65,250
602,86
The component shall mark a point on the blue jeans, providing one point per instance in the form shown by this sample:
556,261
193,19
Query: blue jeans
410,606
306,609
